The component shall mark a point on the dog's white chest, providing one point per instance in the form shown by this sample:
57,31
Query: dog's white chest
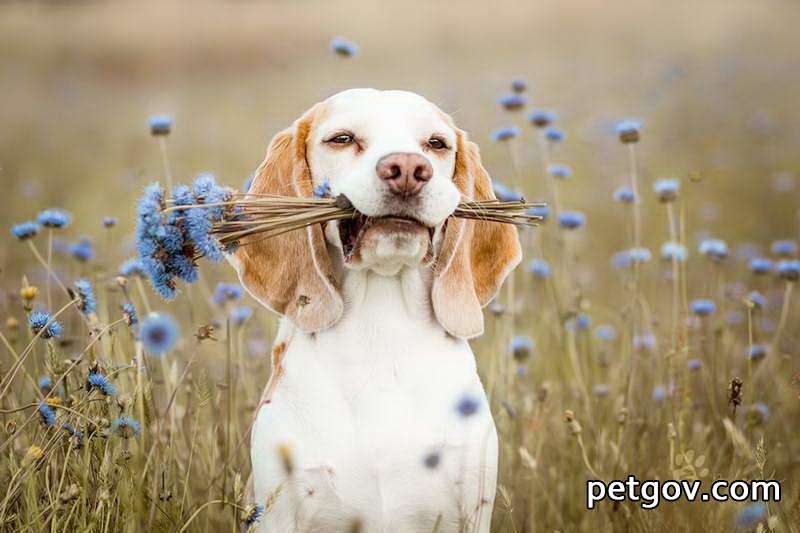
370,414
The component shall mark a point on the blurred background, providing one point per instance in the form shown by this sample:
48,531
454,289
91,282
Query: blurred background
715,84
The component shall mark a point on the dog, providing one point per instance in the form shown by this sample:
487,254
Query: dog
374,417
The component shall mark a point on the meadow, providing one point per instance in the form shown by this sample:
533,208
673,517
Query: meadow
650,330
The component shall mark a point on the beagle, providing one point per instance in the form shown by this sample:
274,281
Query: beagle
374,418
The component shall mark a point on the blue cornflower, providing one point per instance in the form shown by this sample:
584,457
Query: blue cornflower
160,124
45,384
789,269
323,190
646,341
125,427
109,222
505,194
521,347
132,267
760,265
37,321
248,183
87,303
571,219
756,352
468,405
47,414
542,211
716,249
758,300
539,268
702,307
601,390
762,410
82,250
694,364
240,314
53,218
504,134
628,130
25,230
513,101
227,292
559,171
621,260
734,317
580,322
554,135
77,434
639,255
659,393
751,515
605,332
785,248
159,333
206,191
667,189
129,312
101,383
674,251
519,85
343,47
624,195
541,118
253,515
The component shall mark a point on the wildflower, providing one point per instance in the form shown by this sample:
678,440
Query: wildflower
539,268
53,218
38,321
734,317
644,342
343,47
715,249
109,222
703,307
252,515
45,384
571,219
601,390
513,101
28,295
541,211
760,265
756,352
33,454
467,406
69,428
639,255
240,314
759,413
432,460
519,85
541,118
101,383
554,135
25,230
47,414
504,134
132,267
674,251
785,248
628,130
758,300
694,364
789,269
323,190
521,347
82,250
624,195
505,194
129,313
205,191
248,183
751,515
621,260
87,303
125,427
605,332
667,189
580,322
159,333
559,171
227,292
160,124
659,393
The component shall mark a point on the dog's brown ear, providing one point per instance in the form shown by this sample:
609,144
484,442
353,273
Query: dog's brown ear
475,256
290,274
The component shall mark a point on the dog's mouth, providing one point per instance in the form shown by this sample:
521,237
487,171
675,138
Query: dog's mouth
352,230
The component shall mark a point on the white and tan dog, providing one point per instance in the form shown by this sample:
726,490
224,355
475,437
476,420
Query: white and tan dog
374,389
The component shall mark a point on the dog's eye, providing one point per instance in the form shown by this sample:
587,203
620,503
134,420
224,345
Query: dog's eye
437,143
341,138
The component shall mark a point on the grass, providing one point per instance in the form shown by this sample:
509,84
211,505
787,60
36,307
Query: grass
671,395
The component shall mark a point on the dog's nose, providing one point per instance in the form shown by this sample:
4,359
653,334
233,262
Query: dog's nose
405,173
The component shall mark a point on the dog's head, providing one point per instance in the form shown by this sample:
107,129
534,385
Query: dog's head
404,166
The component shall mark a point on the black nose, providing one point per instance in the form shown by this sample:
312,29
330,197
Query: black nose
405,173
